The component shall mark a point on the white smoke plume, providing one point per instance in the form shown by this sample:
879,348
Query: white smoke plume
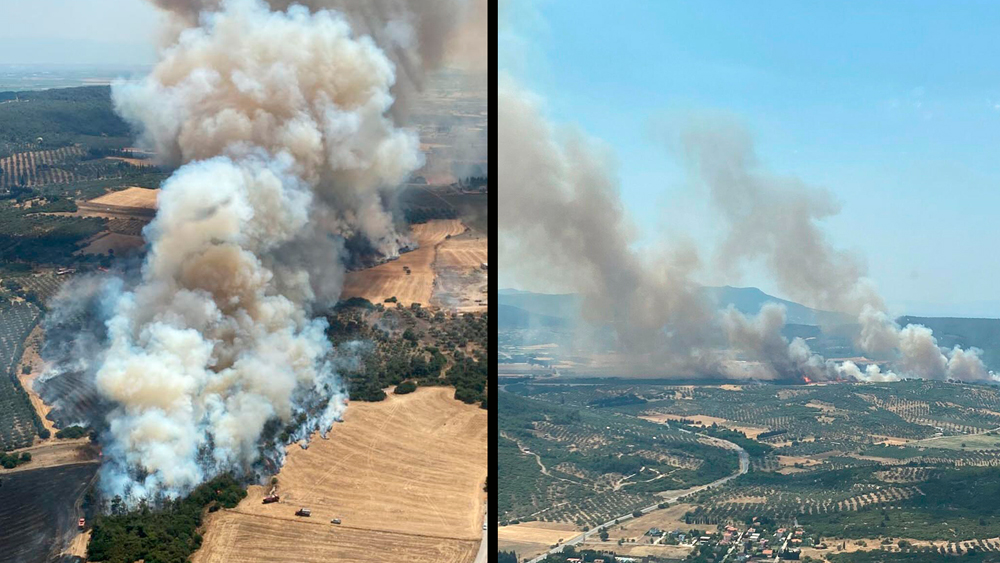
872,373
967,365
418,36
777,220
279,122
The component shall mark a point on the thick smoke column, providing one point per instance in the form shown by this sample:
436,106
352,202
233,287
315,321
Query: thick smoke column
761,337
417,35
279,123
777,220
560,207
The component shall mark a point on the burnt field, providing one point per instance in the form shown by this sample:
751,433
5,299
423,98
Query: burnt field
39,510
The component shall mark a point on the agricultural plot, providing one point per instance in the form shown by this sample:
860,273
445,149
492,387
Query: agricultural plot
585,467
410,279
241,538
62,167
38,168
905,459
532,538
461,283
44,285
127,226
134,197
18,421
133,202
39,511
404,475
466,252
42,237
829,423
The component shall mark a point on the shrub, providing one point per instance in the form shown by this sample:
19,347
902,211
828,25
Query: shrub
406,387
71,432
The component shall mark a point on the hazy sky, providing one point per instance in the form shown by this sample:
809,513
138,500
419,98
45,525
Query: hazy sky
892,106
113,32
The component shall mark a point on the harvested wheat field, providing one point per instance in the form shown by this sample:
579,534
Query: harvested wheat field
533,538
404,475
130,202
391,280
464,252
244,538
129,197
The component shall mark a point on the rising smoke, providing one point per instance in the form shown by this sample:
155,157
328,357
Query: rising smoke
417,36
777,220
281,123
562,220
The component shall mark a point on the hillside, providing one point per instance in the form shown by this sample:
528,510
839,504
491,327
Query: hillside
516,318
831,334
747,300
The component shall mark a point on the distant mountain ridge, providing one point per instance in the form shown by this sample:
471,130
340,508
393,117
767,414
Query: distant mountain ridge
831,334
747,300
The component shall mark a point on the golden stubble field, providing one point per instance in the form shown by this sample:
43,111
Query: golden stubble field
405,477
130,197
391,280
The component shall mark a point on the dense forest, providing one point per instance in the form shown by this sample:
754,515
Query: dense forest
166,535
59,117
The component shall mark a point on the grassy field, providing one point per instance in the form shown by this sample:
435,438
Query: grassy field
988,441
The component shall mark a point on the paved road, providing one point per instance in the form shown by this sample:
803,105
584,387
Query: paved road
484,546
744,467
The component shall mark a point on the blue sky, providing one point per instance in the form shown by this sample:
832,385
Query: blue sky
892,106
107,32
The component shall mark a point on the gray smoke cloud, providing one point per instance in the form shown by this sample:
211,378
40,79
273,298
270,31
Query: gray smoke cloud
774,219
279,122
760,337
562,219
777,220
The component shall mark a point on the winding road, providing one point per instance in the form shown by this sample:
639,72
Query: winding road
744,467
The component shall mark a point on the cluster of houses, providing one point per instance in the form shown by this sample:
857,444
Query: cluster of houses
754,543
